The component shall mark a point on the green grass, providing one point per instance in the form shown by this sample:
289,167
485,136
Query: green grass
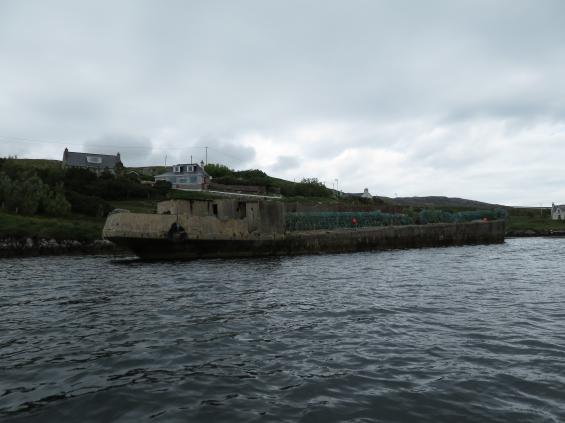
80,228
534,223
39,163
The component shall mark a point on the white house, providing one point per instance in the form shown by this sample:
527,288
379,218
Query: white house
366,194
557,211
189,176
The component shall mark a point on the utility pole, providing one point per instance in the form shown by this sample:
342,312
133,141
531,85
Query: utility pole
337,186
206,154
165,160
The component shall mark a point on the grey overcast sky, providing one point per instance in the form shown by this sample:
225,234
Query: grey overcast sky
457,98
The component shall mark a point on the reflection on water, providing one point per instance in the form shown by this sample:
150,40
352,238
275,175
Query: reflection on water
451,334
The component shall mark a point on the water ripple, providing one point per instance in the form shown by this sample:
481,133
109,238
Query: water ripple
468,334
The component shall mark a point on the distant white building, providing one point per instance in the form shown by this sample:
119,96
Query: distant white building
366,193
557,211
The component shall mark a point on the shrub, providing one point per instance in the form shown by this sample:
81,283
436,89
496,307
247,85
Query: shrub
311,187
87,204
55,203
162,187
218,170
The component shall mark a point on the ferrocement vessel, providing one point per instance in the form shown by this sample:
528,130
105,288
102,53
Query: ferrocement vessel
188,229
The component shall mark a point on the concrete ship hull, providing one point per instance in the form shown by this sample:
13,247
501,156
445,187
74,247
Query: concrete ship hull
167,246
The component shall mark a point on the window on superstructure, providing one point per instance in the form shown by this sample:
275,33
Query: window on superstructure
242,210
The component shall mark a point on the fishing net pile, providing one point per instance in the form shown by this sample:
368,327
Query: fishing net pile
337,220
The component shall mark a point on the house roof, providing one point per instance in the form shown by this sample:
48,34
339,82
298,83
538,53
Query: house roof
100,161
199,170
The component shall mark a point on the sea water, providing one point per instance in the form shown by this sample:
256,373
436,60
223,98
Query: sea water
459,334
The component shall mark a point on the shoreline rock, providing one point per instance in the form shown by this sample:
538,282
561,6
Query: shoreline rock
24,247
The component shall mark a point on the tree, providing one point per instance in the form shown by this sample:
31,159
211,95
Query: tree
6,187
54,202
78,179
26,195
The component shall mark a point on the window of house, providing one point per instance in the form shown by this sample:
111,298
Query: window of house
94,159
242,210
190,168
193,179
215,209
176,169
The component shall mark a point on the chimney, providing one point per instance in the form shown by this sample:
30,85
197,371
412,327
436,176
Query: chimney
65,154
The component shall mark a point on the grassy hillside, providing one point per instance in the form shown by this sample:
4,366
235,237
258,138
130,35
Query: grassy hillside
309,187
40,163
439,202
533,219
74,202
537,224
78,228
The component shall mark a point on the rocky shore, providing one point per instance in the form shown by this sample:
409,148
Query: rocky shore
17,247
22,247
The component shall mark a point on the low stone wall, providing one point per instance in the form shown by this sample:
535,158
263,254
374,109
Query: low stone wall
16,247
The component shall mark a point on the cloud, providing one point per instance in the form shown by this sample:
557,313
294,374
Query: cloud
285,163
455,98
133,149
230,153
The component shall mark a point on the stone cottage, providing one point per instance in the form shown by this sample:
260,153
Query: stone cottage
95,162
